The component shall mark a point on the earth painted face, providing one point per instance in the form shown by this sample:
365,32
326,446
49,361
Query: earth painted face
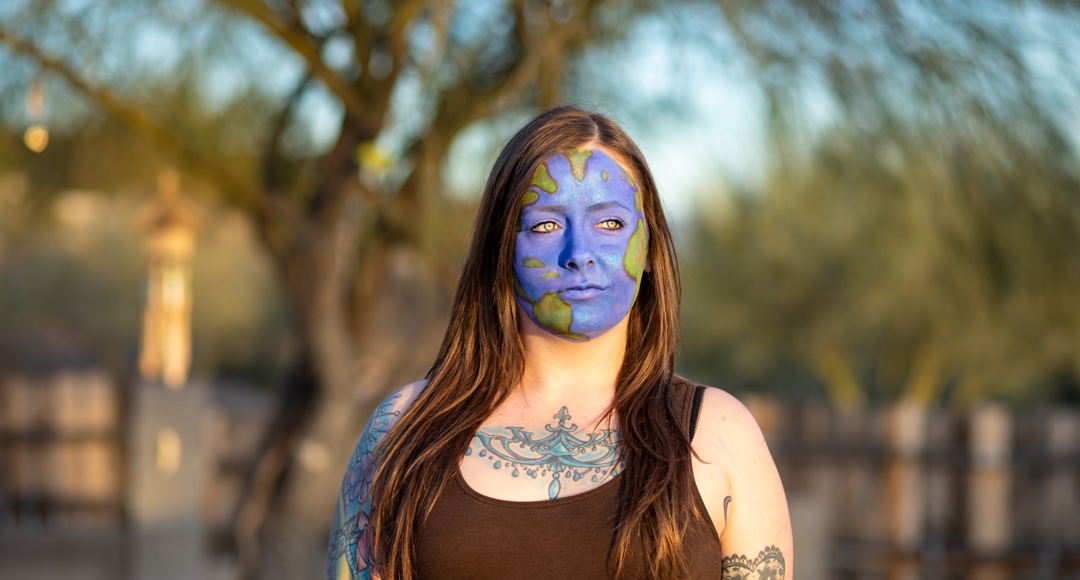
581,245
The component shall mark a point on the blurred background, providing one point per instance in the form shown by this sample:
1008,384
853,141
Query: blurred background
228,228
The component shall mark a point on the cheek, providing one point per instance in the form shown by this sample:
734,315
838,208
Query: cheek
532,260
611,254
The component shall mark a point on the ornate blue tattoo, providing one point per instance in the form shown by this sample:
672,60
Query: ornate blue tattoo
351,537
561,453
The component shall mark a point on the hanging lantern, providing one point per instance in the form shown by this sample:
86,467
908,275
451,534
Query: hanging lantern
37,136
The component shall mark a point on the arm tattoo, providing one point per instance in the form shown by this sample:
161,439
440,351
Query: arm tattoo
350,536
727,502
769,565
561,453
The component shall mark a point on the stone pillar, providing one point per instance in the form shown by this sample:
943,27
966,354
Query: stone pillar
167,474
170,226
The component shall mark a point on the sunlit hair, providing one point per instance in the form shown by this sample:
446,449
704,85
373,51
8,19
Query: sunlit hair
482,360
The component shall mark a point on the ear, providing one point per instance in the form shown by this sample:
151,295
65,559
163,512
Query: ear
648,265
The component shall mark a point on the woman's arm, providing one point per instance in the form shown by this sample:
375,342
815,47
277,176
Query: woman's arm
350,556
742,491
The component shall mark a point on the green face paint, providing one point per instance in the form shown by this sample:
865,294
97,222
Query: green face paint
555,314
543,180
578,159
636,250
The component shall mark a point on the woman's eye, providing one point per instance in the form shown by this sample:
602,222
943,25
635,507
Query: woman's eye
611,224
546,227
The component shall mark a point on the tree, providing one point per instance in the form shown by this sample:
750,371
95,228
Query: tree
922,235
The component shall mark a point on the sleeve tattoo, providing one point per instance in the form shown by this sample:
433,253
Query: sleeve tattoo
351,549
769,565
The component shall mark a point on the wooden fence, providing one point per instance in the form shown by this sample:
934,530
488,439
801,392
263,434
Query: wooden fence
903,492
893,492
61,451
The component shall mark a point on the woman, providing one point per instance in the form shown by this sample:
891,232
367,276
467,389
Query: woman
551,437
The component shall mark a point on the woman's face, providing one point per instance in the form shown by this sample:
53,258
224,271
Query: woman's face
581,245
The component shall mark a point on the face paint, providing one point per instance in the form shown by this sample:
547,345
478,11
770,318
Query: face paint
581,245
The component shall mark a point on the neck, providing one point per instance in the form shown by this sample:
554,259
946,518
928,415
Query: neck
560,372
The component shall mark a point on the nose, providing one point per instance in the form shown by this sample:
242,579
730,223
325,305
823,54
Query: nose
578,252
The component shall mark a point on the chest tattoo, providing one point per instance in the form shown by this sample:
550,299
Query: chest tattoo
559,455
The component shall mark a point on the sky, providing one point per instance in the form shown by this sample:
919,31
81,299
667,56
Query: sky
706,131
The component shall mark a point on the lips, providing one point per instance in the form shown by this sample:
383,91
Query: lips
582,291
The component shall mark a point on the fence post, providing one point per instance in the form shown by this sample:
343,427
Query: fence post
811,501
990,484
1059,504
905,496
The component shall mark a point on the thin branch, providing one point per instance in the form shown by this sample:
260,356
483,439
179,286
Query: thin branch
297,39
272,157
404,16
139,122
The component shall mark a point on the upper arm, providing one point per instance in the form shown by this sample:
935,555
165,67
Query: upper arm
756,527
350,553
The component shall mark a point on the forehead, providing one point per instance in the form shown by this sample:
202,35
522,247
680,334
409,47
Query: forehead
585,176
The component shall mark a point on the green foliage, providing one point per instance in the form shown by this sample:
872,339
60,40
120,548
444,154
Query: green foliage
921,265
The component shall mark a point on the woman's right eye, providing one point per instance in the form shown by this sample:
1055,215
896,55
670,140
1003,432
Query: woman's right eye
545,227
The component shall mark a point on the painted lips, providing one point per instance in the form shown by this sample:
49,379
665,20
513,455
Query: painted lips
581,292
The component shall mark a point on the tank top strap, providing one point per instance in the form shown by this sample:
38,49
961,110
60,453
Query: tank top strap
687,397
695,409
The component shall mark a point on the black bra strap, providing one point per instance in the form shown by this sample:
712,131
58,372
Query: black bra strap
695,409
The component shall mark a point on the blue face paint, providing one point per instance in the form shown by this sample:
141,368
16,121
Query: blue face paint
581,245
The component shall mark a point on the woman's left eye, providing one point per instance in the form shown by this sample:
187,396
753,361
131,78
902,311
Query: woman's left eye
611,224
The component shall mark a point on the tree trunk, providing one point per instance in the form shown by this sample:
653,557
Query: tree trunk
396,345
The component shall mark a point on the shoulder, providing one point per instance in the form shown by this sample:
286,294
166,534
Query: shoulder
753,509
722,412
350,541
728,435
736,475
400,400
389,411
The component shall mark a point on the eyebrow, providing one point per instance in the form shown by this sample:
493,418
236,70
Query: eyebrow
605,205
549,208
563,208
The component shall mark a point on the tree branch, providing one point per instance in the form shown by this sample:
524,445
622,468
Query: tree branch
140,123
298,40
272,158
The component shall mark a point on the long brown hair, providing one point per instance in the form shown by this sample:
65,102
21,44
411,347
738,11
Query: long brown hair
482,359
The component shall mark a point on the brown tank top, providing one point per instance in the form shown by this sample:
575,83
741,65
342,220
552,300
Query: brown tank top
469,536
